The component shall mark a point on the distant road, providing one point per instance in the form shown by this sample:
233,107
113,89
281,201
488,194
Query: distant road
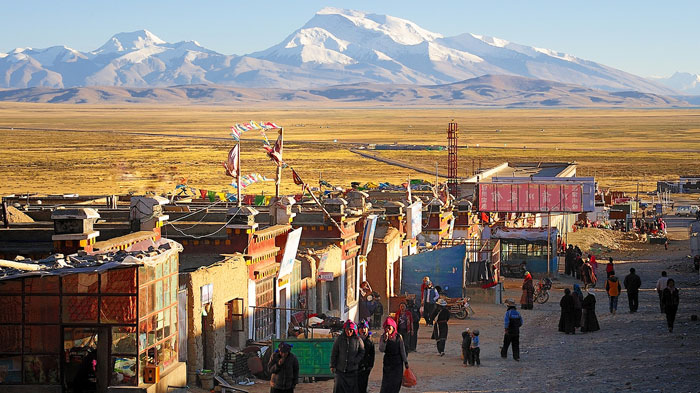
350,145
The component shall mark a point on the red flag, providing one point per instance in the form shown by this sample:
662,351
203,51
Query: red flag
232,164
297,179
203,193
275,152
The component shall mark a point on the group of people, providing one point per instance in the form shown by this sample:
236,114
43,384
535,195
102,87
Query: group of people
578,311
576,265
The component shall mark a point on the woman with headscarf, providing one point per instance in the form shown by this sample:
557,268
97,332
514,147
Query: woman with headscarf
441,315
670,301
348,350
578,305
566,321
394,358
284,369
404,324
589,322
365,298
527,299
367,361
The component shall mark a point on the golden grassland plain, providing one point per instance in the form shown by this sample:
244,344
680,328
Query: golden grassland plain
619,147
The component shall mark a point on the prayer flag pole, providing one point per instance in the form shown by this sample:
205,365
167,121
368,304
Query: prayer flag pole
278,174
238,176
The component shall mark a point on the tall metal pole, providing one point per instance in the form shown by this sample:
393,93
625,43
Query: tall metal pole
238,176
278,174
549,244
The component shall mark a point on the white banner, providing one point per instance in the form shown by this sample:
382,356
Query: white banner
290,253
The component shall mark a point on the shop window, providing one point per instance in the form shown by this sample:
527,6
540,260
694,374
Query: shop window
10,369
46,284
166,267
167,354
124,340
41,369
166,322
166,293
41,339
11,307
123,371
10,340
79,339
173,320
80,283
118,281
147,333
173,289
41,309
159,271
151,298
118,309
147,274
79,309
159,294
160,327
173,263
143,302
11,286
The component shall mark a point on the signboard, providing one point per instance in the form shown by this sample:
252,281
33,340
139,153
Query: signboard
531,197
414,215
368,235
313,354
290,252
588,186
325,276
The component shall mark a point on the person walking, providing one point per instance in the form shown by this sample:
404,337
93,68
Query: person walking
610,267
660,286
512,321
589,321
430,297
526,300
475,349
577,295
566,320
367,362
404,323
670,300
613,287
348,350
569,260
394,358
632,284
415,314
441,315
284,369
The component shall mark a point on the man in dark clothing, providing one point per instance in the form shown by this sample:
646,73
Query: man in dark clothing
284,370
367,362
569,260
512,322
348,350
430,296
632,284
415,312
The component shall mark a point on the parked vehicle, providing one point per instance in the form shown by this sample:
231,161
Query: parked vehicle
687,211
542,288
459,307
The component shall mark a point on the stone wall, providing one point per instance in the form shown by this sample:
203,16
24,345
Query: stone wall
230,281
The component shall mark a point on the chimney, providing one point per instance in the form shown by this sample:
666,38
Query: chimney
281,211
73,230
146,214
336,208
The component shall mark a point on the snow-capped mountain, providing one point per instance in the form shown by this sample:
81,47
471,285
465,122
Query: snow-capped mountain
334,47
684,82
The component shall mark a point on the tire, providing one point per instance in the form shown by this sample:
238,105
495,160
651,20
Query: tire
461,314
542,298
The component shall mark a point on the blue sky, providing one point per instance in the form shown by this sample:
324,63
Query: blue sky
647,38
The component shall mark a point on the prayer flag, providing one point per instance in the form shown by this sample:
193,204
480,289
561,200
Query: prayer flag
203,193
297,179
231,164
235,133
222,196
211,195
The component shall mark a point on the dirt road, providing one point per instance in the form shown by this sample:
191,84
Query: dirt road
631,352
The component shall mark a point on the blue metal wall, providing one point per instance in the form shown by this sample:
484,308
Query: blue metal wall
444,266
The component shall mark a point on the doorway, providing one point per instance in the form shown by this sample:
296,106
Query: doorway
85,361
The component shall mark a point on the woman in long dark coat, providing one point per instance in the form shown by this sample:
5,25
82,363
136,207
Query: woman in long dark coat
578,305
441,315
670,300
566,321
367,361
527,299
395,358
589,322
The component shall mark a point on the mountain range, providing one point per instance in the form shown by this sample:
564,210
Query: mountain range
335,47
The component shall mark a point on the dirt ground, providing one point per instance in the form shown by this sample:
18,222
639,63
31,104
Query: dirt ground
631,352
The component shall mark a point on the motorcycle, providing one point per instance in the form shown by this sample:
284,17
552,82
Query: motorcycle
459,307
541,294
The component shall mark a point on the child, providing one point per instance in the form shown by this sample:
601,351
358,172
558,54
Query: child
466,350
474,348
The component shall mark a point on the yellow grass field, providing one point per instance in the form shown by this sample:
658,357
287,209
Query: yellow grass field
620,147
